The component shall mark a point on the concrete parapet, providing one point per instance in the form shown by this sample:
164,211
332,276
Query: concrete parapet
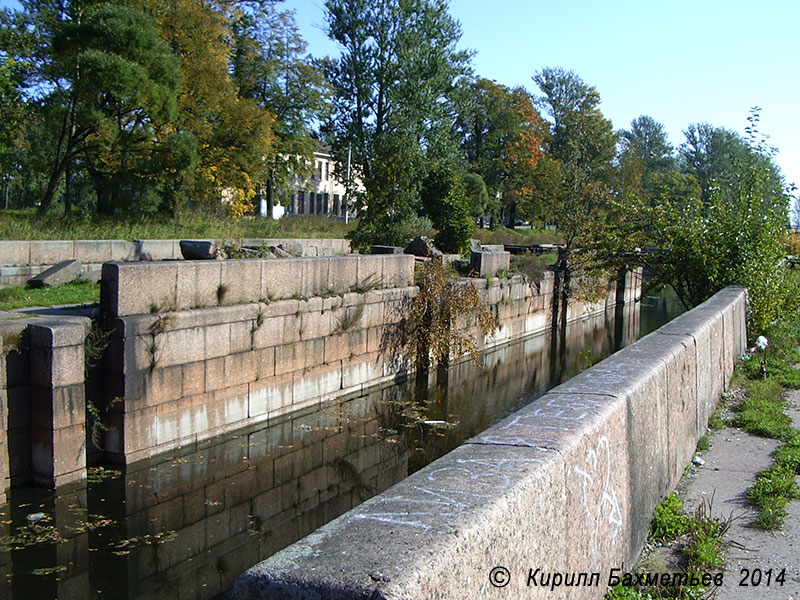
590,459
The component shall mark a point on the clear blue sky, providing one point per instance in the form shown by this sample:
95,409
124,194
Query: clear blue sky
680,62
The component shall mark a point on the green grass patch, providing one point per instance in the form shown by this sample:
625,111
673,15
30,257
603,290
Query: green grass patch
79,291
669,520
774,489
26,225
762,411
703,444
788,454
532,265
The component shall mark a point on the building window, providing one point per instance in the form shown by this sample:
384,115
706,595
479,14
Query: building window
336,204
301,202
325,204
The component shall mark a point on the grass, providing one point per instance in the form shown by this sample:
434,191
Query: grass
669,520
763,376
26,225
518,237
75,292
532,265
699,540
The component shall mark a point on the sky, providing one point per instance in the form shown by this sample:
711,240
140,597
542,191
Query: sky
680,62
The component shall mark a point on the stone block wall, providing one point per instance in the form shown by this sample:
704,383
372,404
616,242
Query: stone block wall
140,288
44,406
22,259
589,461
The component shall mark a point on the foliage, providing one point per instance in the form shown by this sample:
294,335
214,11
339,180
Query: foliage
444,201
391,104
669,520
79,291
733,233
439,305
502,136
270,66
572,182
24,225
532,265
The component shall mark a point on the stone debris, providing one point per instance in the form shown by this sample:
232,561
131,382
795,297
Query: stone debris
200,250
58,274
423,246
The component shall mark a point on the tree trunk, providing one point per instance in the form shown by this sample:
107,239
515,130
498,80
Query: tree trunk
269,197
68,191
52,186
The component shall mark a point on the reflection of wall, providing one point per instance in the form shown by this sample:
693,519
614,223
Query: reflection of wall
236,501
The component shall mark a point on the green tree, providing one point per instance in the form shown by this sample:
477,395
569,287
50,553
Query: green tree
270,65
502,135
646,151
392,103
573,180
444,199
735,236
476,195
105,83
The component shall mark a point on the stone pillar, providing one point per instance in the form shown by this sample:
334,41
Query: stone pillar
57,401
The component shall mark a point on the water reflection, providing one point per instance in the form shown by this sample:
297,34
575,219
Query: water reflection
185,525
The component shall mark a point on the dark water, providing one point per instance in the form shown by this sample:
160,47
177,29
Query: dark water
185,525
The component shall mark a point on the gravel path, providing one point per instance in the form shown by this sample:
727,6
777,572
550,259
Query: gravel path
731,465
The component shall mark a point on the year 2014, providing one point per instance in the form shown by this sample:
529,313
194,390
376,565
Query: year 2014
757,577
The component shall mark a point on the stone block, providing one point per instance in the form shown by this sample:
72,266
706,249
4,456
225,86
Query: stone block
199,250
13,252
241,336
215,374
317,383
164,384
271,331
57,408
270,395
386,250
362,371
193,377
343,274
264,362
229,407
143,288
239,369
180,346
51,252
93,251
218,340
153,250
316,276
198,284
282,278
59,274
122,250
370,272
314,324
241,281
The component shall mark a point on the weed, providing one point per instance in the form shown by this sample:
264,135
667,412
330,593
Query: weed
349,319
222,290
369,283
669,520
95,344
771,493
259,321
503,273
788,454
14,342
703,444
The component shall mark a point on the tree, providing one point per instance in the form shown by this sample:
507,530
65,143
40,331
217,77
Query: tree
645,149
234,135
391,107
270,66
573,180
502,136
736,234
105,83
476,195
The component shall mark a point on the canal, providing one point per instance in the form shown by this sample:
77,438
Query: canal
186,524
